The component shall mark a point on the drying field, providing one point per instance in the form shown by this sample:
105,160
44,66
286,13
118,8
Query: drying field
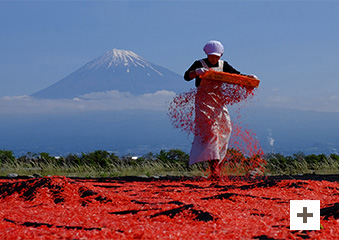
163,208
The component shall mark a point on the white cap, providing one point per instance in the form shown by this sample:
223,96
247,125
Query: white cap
214,48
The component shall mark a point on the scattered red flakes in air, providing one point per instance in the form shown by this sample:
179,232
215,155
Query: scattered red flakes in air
243,140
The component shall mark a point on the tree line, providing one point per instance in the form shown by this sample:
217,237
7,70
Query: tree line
275,163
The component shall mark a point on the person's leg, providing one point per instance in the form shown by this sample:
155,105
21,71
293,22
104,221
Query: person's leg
214,168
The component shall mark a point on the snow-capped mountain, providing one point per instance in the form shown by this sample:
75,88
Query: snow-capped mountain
119,70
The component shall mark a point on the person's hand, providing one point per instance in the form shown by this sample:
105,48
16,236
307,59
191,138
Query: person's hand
200,71
252,76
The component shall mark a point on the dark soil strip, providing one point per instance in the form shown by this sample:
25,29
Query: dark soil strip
314,177
332,211
107,186
29,188
264,237
200,215
127,212
229,195
36,224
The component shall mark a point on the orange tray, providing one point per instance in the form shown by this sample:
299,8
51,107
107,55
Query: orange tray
231,78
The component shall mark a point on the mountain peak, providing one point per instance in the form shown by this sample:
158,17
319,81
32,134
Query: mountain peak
120,70
118,54
118,57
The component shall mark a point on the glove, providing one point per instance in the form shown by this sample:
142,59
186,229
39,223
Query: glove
200,71
252,76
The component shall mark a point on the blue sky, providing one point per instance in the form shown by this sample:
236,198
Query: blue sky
292,46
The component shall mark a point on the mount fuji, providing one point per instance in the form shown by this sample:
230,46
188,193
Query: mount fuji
120,70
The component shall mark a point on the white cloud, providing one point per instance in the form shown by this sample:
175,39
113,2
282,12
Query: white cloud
114,94
97,101
115,100
321,103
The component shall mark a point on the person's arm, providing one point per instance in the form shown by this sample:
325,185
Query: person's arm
228,68
191,73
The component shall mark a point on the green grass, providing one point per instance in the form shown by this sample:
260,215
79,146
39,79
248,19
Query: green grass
152,168
173,163
277,164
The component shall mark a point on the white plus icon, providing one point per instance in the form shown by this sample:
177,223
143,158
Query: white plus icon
305,215
308,210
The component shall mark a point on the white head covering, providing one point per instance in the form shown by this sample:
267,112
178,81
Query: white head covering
214,48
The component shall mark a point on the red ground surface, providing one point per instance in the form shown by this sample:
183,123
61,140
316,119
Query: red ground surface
164,208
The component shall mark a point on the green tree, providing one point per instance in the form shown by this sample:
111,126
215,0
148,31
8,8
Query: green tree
44,157
72,160
6,156
99,158
173,155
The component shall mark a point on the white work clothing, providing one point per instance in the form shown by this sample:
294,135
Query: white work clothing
213,128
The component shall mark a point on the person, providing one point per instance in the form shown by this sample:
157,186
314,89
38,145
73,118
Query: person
213,128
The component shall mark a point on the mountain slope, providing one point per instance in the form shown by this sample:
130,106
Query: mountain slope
119,70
